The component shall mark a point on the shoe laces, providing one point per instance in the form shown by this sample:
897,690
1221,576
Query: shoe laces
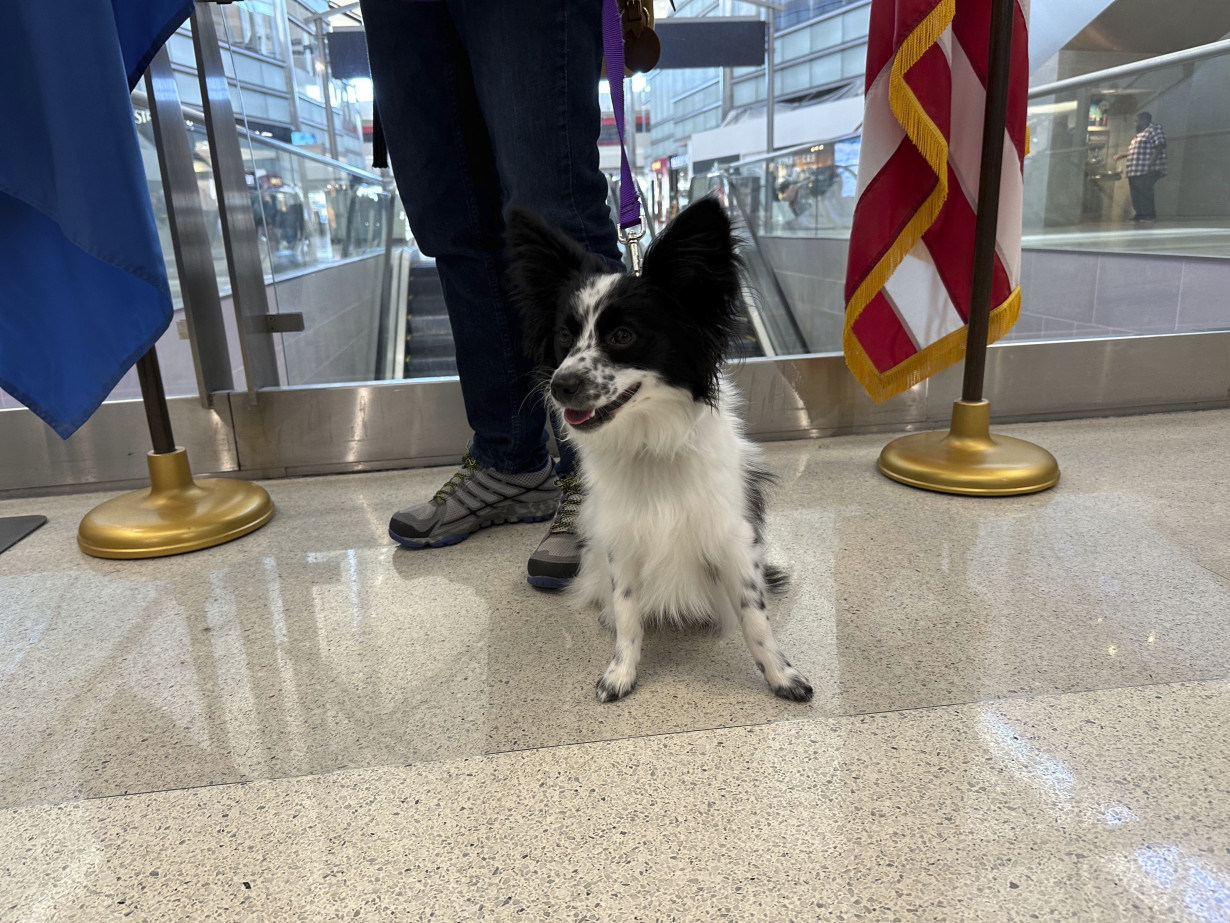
469,464
570,502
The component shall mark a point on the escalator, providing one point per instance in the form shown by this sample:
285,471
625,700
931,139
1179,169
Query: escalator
768,326
771,326
430,351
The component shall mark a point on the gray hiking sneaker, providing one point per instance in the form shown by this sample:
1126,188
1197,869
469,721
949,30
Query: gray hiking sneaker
558,557
473,499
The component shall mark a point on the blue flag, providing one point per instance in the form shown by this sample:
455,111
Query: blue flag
83,286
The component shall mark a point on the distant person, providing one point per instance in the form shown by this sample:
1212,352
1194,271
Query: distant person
485,103
1146,164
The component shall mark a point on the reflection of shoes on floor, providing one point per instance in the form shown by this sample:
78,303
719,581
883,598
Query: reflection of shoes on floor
558,557
473,499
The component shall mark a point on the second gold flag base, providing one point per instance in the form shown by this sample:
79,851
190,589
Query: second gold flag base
176,514
968,459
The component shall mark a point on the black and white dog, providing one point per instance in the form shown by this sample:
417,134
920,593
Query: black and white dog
672,523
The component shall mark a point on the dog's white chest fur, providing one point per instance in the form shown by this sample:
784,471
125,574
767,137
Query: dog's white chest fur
665,500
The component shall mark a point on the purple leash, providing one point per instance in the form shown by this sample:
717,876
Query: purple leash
629,206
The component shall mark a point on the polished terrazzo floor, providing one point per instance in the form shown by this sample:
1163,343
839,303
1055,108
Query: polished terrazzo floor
1021,712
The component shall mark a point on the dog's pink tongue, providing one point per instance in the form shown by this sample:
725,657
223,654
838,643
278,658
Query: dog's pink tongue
577,416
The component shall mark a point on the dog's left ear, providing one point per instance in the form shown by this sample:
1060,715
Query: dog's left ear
695,259
544,265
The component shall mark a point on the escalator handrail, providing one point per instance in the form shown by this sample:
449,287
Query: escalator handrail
732,198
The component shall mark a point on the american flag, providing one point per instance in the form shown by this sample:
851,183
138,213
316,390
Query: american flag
911,246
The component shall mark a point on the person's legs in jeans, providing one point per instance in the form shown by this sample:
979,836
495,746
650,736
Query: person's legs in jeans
483,105
453,81
536,78
442,159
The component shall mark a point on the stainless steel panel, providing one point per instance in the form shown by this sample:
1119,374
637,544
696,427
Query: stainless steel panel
314,430
344,427
791,398
1103,377
110,448
816,395
193,255
296,430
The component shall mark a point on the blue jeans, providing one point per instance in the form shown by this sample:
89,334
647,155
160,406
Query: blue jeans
484,103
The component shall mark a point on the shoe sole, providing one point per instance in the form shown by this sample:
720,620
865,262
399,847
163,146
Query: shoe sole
456,538
549,583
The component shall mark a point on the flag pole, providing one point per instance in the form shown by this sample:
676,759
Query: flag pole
968,459
990,171
154,397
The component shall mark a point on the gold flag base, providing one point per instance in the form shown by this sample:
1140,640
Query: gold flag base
969,459
176,514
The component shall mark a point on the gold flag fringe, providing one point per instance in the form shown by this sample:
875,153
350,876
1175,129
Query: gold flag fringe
925,363
926,136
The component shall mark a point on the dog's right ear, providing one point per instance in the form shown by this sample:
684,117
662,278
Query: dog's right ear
544,266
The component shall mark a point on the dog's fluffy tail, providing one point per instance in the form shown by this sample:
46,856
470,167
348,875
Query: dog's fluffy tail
776,579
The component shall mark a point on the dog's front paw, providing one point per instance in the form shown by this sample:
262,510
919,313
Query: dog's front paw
612,690
793,686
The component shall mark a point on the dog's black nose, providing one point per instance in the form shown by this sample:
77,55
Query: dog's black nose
565,385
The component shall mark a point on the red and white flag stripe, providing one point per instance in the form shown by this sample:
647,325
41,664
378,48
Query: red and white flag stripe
911,246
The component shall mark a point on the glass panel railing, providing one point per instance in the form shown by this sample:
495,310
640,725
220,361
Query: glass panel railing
1077,178
1087,268
323,229
326,231
797,207
1083,191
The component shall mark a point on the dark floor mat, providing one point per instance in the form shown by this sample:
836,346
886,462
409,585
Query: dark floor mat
14,528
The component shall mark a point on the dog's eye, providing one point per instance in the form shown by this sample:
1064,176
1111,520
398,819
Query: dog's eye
563,336
621,337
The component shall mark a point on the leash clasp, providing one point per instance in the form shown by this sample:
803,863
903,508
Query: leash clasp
632,240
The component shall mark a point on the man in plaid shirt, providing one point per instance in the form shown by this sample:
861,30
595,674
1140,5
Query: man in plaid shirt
1146,164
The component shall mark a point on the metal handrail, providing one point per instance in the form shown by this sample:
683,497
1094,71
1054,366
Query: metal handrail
374,178
198,115
796,149
1211,50
345,9
1198,53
